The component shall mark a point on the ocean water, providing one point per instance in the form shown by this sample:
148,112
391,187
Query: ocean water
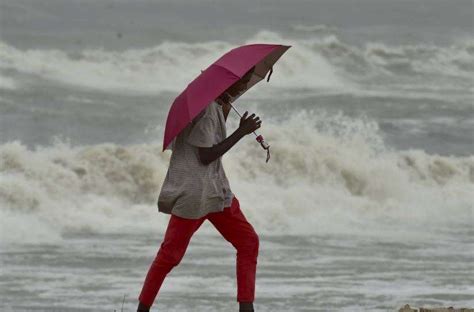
366,204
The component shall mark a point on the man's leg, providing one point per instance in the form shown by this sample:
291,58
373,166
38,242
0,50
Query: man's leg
172,249
235,228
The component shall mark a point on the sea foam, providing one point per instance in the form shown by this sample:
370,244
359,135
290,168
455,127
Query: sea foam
326,174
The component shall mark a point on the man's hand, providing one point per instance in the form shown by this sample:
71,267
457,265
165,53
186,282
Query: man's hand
250,124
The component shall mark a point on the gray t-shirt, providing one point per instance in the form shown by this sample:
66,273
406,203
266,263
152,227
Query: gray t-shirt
191,189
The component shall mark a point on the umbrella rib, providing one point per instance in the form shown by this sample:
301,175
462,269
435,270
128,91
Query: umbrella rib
227,70
216,65
188,113
254,73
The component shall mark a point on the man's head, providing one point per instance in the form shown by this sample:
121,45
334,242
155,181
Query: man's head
240,84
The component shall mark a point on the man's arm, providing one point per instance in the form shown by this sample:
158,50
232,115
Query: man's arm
247,126
209,154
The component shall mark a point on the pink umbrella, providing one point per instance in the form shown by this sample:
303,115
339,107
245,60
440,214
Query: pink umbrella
218,77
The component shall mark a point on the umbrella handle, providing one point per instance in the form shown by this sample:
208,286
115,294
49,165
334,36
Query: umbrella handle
262,142
264,145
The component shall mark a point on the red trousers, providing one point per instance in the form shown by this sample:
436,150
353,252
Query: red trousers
233,226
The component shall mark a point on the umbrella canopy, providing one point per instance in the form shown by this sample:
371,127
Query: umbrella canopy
217,78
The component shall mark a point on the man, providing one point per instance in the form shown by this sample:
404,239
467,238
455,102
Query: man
196,188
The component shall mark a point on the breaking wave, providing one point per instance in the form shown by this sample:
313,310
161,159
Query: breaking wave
318,60
326,174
